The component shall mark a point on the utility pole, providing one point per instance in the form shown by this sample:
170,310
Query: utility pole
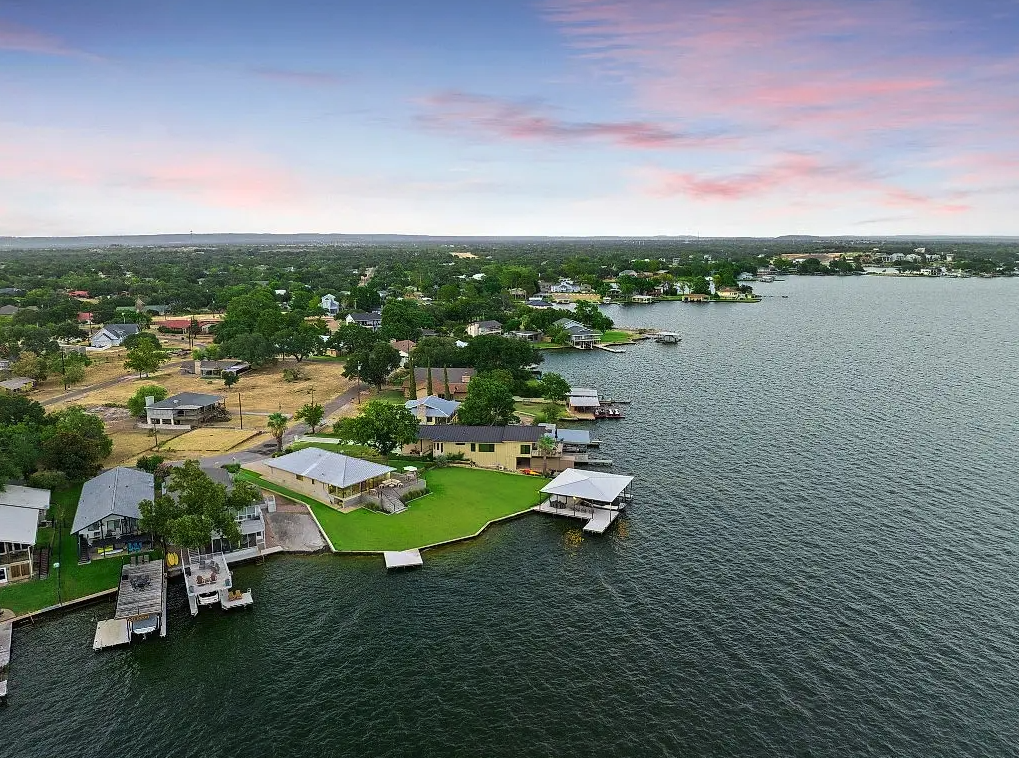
63,370
240,410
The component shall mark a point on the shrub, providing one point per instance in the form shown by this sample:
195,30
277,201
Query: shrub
49,480
233,468
295,374
440,461
406,497
149,463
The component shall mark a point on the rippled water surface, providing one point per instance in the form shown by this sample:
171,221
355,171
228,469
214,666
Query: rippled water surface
823,559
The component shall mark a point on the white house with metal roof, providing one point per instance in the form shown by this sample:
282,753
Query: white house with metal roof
433,409
108,505
185,410
331,478
113,335
21,511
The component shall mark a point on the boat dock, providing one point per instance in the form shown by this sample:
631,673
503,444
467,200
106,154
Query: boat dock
610,348
598,519
209,581
141,605
667,338
402,559
6,635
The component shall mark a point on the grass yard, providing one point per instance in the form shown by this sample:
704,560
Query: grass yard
208,440
615,335
461,502
74,581
395,397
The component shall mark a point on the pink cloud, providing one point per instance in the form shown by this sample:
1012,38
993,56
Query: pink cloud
229,177
24,40
300,78
460,112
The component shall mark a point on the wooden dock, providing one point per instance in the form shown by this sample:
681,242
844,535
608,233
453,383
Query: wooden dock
402,559
141,606
6,636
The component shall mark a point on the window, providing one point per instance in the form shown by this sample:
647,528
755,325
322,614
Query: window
3,575
485,447
473,448
525,449
299,477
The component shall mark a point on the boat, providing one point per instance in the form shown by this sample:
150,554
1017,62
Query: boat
667,338
605,413
767,278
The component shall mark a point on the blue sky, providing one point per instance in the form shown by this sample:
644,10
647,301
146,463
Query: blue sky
572,117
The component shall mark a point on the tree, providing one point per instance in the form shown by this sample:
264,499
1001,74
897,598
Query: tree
550,414
251,348
428,381
381,426
374,366
195,509
136,403
49,480
230,378
545,446
19,450
493,351
133,340
74,373
255,312
15,409
75,442
299,342
445,382
352,338
553,387
412,381
277,425
31,365
488,402
311,414
557,334
144,358
588,313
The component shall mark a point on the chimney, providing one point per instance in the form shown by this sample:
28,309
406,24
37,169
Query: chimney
149,400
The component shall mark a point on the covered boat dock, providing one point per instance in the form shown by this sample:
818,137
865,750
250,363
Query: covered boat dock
594,496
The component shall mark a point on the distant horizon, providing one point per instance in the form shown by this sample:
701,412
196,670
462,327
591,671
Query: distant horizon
568,118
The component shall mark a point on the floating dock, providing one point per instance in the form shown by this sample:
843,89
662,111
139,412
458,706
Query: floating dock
6,635
610,348
141,605
403,559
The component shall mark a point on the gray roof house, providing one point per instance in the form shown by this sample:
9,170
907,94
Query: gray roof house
113,335
186,409
432,409
371,321
479,328
108,505
581,336
331,478
21,511
9,310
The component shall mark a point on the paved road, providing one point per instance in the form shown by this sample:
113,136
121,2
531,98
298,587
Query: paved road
82,391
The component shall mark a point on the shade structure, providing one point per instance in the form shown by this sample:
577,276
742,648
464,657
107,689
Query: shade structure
595,486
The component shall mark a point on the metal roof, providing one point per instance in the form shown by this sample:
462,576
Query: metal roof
456,375
17,382
188,400
121,330
25,497
116,492
325,466
18,525
574,436
583,392
486,434
588,485
442,408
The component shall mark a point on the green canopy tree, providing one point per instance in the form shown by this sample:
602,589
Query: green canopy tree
74,442
195,508
381,426
488,402
15,409
373,366
136,403
311,414
144,358
553,387
252,348
545,446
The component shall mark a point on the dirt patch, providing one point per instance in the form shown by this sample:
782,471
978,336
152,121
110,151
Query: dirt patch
209,440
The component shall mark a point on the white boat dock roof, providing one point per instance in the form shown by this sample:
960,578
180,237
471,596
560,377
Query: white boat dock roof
595,486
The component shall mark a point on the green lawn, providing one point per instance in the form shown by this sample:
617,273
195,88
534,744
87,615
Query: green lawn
461,502
393,396
75,581
614,335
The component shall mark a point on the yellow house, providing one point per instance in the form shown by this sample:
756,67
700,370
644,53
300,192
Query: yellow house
501,447
331,478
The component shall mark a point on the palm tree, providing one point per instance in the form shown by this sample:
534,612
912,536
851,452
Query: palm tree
277,424
546,445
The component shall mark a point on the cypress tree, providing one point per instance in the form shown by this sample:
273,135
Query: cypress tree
429,386
445,379
413,381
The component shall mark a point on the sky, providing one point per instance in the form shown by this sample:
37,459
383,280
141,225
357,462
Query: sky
540,117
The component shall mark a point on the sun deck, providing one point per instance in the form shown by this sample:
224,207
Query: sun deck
141,605
209,581
598,519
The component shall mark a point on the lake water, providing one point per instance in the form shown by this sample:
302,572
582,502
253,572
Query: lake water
822,559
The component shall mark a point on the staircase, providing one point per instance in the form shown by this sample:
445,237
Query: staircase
42,562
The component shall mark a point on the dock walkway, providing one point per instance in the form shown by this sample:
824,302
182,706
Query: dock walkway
598,519
6,636
396,559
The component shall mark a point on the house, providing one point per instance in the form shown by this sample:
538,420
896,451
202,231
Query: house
11,292
250,523
643,299
22,509
330,304
732,293
85,317
481,328
695,297
538,302
9,310
371,320
185,410
113,335
17,385
519,293
107,516
404,348
501,447
583,399
332,478
580,336
433,409
159,310
459,378
527,336
628,272
5,364
212,369
565,287
181,325
78,293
